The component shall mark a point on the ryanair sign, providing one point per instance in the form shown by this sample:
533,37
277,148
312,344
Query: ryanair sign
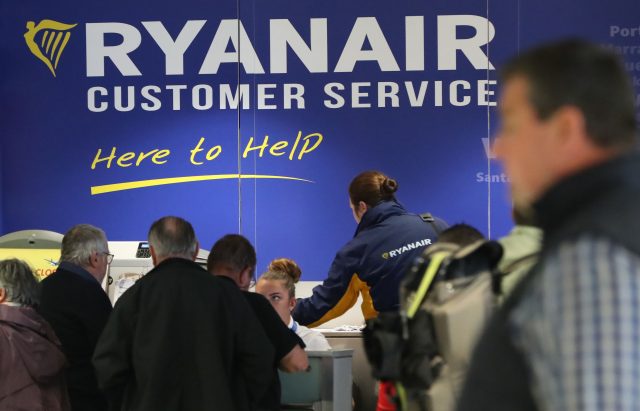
366,42
405,248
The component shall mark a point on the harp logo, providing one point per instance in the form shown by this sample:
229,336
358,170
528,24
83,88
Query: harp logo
47,41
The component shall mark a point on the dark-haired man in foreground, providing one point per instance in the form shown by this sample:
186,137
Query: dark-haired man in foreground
567,338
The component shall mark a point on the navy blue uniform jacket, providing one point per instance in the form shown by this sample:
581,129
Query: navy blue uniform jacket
387,241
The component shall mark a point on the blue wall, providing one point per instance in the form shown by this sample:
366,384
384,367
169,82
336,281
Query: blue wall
50,135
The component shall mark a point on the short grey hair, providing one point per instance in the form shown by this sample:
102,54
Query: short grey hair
173,237
19,283
80,241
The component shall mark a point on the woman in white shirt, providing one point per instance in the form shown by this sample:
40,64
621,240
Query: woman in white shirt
278,285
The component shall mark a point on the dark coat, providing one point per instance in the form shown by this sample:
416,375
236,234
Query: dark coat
77,308
31,363
282,339
601,201
182,339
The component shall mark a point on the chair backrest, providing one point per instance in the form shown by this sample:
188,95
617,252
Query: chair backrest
326,386
302,387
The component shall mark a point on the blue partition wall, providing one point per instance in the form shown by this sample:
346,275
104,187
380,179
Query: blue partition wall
117,114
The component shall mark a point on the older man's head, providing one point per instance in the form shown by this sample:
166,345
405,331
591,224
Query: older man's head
86,246
564,107
172,237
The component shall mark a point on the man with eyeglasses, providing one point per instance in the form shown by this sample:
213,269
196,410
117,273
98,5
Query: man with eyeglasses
233,259
77,308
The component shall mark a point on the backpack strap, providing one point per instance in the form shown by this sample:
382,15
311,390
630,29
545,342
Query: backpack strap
499,275
514,265
428,218
436,260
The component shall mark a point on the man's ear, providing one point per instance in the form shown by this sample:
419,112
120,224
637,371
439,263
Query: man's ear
3,295
292,303
570,127
245,278
93,259
154,257
195,254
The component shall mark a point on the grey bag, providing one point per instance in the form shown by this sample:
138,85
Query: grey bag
454,286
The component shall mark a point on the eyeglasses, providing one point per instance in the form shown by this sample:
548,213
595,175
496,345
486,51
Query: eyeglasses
109,257
254,280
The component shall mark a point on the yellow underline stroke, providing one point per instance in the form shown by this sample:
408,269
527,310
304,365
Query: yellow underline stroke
130,185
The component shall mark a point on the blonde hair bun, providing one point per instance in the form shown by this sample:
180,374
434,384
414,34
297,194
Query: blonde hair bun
287,266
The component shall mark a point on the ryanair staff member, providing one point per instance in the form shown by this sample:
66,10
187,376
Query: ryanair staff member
387,241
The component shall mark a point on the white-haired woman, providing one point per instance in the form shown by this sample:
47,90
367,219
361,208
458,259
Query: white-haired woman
31,359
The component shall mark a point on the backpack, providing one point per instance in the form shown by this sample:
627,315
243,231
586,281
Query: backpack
446,299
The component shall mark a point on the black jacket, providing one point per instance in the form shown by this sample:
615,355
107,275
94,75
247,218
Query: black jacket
77,308
602,201
282,339
181,339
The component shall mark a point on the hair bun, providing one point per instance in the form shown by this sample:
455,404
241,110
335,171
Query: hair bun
287,266
389,186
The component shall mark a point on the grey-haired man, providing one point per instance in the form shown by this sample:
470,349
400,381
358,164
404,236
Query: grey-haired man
77,308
